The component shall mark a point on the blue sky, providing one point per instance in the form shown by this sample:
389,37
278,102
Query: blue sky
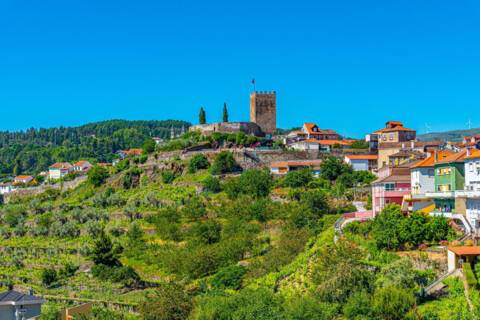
348,65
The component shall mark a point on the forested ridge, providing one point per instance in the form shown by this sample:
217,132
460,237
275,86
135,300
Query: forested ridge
33,150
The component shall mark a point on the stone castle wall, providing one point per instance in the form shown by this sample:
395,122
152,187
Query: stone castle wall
263,110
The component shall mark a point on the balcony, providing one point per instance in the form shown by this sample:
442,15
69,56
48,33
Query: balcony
441,194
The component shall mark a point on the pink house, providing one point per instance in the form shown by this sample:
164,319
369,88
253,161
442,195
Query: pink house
391,186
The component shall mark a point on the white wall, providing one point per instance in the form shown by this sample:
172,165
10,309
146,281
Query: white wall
473,212
472,172
359,165
422,180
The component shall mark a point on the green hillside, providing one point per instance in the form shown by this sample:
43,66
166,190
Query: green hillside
454,135
169,238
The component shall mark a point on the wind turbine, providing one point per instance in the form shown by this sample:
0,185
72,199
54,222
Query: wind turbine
469,123
427,128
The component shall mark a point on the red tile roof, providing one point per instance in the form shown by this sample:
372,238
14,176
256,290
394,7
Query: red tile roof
61,165
23,178
133,152
465,251
454,157
430,161
81,163
296,163
474,154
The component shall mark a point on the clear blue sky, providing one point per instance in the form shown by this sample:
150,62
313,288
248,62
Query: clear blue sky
348,65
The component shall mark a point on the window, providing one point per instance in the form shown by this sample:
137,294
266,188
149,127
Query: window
470,166
444,171
431,172
389,186
390,137
384,137
444,187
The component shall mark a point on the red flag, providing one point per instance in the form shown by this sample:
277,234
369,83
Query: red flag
253,81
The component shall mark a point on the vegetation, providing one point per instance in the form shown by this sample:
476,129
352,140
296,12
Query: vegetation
202,116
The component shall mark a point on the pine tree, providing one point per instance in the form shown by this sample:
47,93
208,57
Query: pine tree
202,117
225,112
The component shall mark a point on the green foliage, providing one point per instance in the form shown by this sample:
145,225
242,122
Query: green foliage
148,146
469,275
358,306
316,201
168,176
198,162
298,179
49,276
332,168
225,113
131,179
207,232
97,176
229,278
169,302
104,252
255,183
392,303
211,184
359,144
202,116
224,163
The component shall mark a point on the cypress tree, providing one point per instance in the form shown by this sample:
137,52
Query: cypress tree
225,112
202,117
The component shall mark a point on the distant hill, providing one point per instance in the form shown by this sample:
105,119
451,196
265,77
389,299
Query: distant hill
33,150
454,135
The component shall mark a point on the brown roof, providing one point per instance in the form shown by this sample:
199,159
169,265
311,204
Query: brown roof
23,177
81,163
394,178
430,161
362,156
406,153
474,154
133,152
454,157
61,165
465,251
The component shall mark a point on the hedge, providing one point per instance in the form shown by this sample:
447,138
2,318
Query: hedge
468,272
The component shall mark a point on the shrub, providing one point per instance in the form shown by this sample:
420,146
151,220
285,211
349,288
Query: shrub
168,176
169,302
97,175
229,277
49,276
392,303
224,163
211,184
297,179
207,232
470,277
256,183
148,146
198,162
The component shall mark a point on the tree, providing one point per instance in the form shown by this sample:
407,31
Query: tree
359,144
224,163
316,201
198,162
148,146
229,277
104,252
332,168
97,176
168,302
298,179
49,276
225,112
386,227
207,232
211,184
256,183
202,116
391,303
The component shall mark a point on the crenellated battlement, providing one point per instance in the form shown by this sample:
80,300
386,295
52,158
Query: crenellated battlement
265,93
263,110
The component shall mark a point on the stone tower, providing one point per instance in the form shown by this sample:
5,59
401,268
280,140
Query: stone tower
263,110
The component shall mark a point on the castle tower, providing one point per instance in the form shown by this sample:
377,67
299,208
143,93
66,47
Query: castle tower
263,110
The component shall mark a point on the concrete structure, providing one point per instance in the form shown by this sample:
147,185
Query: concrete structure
18,306
312,131
79,312
263,110
458,255
392,149
23,179
59,170
391,187
319,145
229,127
284,167
362,162
82,166
394,131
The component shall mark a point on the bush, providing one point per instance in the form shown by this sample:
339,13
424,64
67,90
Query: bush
49,276
229,278
392,303
97,176
211,184
168,177
224,163
298,179
169,302
198,162
255,183
148,146
207,232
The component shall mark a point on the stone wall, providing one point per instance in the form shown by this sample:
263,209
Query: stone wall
228,127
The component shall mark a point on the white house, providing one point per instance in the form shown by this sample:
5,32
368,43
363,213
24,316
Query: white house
15,305
284,167
82,166
305,145
472,187
23,179
59,170
6,188
362,162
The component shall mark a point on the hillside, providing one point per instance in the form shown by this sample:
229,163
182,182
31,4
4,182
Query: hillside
33,150
187,236
454,135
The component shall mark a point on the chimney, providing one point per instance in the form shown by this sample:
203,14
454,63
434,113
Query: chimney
403,145
436,155
10,287
30,292
412,144
468,152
